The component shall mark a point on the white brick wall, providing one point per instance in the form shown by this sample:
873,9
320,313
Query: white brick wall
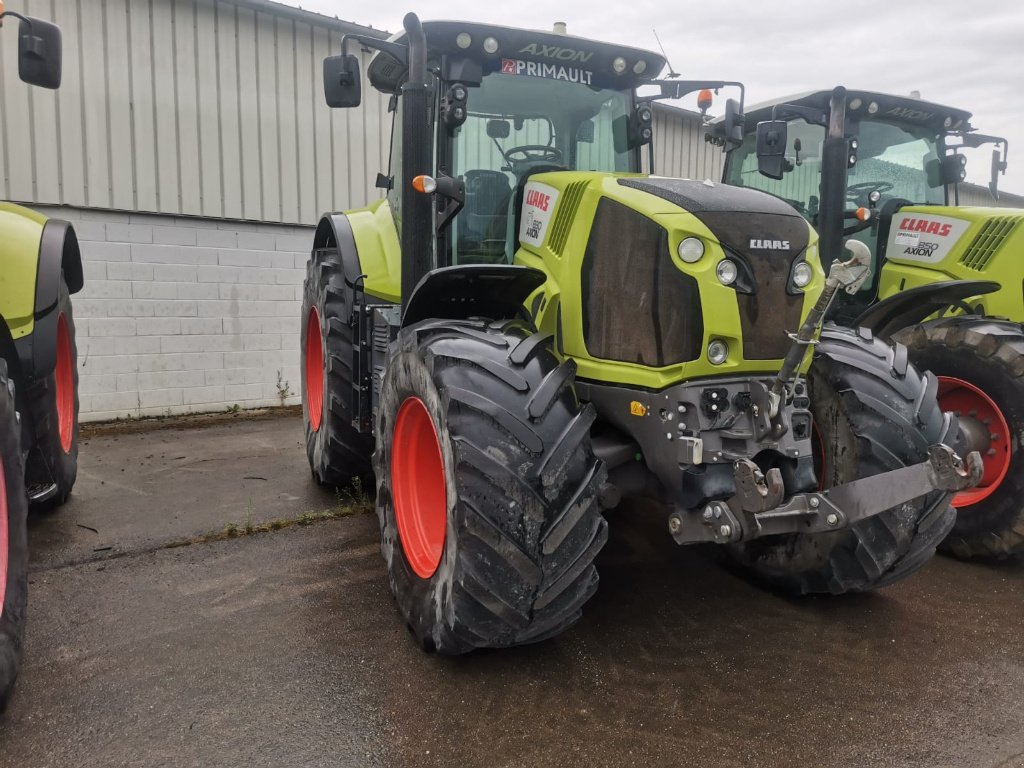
182,315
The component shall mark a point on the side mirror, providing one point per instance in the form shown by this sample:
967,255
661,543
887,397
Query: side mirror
39,53
733,123
342,84
998,167
498,129
771,148
953,168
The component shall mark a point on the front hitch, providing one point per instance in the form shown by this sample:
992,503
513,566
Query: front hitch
758,507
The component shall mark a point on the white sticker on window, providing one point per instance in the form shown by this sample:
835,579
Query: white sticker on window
538,204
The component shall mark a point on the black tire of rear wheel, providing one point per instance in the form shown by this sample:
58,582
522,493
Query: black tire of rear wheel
524,523
47,460
12,620
338,454
875,413
989,354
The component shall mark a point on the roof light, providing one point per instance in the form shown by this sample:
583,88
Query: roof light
640,67
463,40
947,122
856,103
490,45
872,107
619,65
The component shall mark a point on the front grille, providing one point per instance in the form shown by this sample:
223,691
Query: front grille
638,306
989,240
566,215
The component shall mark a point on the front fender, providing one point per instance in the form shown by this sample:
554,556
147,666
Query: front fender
913,305
34,253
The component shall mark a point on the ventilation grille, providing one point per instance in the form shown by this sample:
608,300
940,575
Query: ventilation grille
991,238
566,215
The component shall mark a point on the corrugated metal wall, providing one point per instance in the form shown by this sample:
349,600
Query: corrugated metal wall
679,146
197,107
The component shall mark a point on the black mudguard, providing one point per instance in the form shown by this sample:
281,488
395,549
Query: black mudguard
911,306
335,232
496,291
59,255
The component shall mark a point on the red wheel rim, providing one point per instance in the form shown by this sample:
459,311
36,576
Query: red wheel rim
971,403
65,375
314,370
418,488
4,543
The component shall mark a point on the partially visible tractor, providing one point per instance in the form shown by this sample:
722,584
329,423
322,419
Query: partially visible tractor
40,267
525,329
945,280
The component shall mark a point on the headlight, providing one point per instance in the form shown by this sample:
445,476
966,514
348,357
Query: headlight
463,40
690,250
619,65
718,352
802,274
727,272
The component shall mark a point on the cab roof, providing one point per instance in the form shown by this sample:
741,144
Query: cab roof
903,109
386,73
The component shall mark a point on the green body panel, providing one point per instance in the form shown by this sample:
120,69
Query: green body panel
21,230
562,291
996,254
380,253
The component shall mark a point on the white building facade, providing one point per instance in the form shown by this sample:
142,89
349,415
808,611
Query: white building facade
191,147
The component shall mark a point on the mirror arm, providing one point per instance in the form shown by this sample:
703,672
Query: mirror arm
396,50
18,16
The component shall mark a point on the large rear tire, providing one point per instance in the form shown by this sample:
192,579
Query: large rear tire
488,489
52,402
337,452
13,540
873,413
980,365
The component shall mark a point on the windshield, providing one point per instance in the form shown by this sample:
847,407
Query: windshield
898,161
518,125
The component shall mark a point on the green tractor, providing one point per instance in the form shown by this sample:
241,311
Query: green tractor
525,330
41,268
945,280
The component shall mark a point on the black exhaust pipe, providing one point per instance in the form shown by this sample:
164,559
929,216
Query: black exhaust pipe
416,219
835,161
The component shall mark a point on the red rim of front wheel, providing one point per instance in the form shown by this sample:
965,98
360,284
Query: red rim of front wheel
65,375
418,488
314,370
970,402
4,540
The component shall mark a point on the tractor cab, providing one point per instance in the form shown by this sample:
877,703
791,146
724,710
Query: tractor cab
901,152
508,104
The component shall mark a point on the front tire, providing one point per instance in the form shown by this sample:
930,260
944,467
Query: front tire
13,540
873,413
337,452
488,489
980,365
52,402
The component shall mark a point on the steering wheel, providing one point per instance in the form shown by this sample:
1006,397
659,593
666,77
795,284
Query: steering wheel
854,191
534,153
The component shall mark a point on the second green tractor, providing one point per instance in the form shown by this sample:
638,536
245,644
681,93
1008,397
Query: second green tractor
945,280
525,330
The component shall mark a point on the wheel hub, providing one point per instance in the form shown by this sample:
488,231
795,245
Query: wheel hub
4,541
985,429
418,488
65,389
314,370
